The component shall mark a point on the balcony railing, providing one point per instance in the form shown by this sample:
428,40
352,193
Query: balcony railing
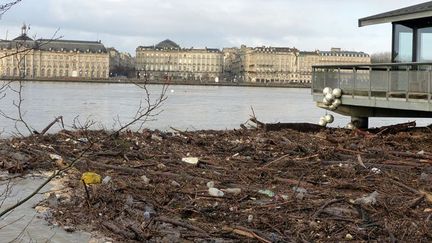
387,80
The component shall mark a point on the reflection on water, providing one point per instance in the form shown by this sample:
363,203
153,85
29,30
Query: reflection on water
187,107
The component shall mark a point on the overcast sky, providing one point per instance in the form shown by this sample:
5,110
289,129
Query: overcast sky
126,24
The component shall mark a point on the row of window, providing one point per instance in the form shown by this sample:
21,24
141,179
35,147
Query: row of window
193,56
55,73
190,63
175,60
66,66
182,68
55,65
263,80
52,63
344,54
59,57
302,75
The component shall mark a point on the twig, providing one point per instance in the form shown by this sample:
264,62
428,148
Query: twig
259,124
307,157
411,155
23,230
5,7
406,187
16,220
320,210
253,113
360,161
181,224
87,192
391,235
245,232
58,119
349,151
414,203
294,182
6,192
115,229
275,161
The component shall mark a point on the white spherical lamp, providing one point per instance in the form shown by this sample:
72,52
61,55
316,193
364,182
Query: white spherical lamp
337,103
329,97
329,118
322,122
326,102
327,90
337,93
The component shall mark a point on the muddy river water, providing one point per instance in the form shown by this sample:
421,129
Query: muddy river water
186,107
25,224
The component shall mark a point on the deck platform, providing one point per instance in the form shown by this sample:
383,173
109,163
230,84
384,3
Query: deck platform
377,90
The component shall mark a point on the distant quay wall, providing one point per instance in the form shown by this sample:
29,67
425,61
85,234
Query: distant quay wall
172,82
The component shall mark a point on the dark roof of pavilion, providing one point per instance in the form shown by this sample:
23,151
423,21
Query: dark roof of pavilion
418,11
23,37
167,44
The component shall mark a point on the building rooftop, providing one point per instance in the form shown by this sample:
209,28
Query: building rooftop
418,11
167,44
70,45
53,45
23,37
273,49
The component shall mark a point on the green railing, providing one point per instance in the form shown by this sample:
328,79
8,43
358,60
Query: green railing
389,80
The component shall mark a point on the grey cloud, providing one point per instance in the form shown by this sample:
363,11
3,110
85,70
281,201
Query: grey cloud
307,24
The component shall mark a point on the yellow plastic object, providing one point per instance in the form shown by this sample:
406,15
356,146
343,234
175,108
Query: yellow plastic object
91,178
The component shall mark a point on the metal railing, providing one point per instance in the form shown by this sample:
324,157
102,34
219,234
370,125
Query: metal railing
399,80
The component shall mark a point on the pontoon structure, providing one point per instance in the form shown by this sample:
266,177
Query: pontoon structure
401,88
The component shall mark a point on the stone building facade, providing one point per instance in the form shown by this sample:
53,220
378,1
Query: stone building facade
167,60
284,65
24,57
120,63
265,64
229,58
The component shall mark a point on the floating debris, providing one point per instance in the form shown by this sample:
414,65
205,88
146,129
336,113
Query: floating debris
90,178
191,160
215,192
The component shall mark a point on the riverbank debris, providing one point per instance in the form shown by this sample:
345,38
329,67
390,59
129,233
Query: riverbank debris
191,160
91,178
286,183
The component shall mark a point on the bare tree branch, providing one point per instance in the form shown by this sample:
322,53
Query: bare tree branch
5,7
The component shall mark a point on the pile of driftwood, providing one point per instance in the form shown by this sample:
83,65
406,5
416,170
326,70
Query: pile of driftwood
275,183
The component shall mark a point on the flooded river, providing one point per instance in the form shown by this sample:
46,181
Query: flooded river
186,107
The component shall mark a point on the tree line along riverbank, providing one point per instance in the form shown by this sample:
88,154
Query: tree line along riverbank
297,182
